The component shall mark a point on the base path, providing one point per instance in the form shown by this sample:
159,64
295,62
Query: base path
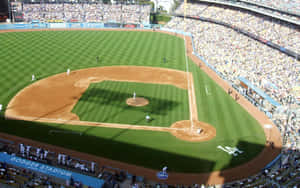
63,111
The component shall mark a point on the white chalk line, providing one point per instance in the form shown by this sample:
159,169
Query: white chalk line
97,124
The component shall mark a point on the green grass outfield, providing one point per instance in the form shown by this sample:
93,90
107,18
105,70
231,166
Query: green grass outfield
46,53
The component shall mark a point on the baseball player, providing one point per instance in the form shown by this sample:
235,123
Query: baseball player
165,60
236,97
0,107
22,149
93,167
134,95
59,158
68,72
32,77
63,159
28,150
165,169
42,154
38,152
148,118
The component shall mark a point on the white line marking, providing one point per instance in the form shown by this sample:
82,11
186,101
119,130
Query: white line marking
188,82
90,123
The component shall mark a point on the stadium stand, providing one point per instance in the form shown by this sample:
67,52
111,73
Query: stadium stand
85,12
287,5
236,57
242,60
235,49
279,14
280,33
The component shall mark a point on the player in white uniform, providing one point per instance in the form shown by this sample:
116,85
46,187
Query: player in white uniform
134,95
148,118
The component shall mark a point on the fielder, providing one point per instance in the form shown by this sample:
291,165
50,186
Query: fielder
68,72
165,60
134,95
32,77
148,118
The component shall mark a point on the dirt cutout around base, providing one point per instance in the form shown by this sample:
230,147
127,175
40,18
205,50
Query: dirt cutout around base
198,132
137,102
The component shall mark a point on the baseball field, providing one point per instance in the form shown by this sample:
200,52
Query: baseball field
109,67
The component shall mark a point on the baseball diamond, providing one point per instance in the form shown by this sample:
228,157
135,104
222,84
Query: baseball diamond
196,129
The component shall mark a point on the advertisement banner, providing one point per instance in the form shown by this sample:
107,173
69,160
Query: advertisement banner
50,170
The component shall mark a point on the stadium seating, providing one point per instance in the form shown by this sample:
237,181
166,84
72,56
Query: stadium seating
86,13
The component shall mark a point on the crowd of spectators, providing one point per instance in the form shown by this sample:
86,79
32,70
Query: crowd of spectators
287,5
279,11
234,55
86,12
285,173
289,125
283,34
18,177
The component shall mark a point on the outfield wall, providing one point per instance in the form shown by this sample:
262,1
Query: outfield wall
76,25
87,26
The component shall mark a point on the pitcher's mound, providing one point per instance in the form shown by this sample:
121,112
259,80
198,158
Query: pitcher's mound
138,101
201,131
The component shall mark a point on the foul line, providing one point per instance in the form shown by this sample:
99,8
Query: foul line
96,124
188,82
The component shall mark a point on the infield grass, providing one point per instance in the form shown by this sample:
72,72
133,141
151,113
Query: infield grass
106,102
46,53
